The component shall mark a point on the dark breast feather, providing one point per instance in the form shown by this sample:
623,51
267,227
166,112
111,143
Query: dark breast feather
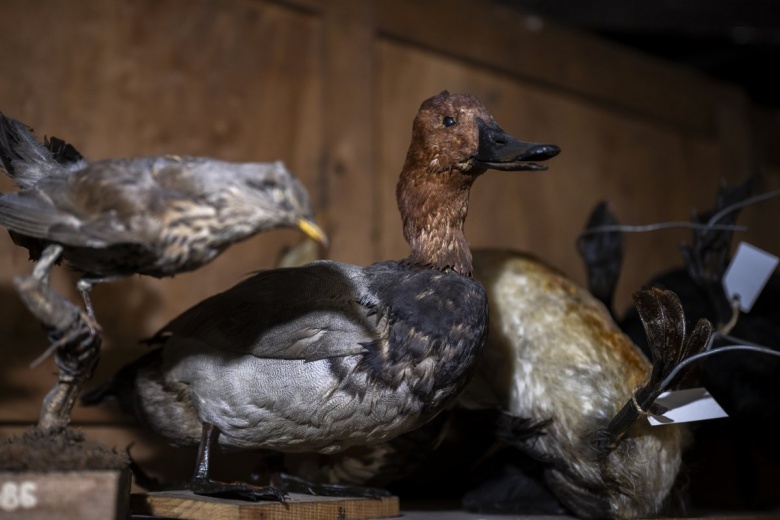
433,316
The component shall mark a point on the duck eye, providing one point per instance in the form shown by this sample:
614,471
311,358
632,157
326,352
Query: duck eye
448,121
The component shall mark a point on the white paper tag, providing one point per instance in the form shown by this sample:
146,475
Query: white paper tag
747,274
691,404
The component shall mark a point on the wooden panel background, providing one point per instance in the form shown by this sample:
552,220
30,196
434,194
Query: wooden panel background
331,87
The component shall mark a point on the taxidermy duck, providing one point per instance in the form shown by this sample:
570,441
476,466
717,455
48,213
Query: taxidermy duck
157,216
575,390
329,355
571,392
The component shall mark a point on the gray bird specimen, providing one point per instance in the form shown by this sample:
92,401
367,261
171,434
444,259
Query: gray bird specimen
156,216
330,355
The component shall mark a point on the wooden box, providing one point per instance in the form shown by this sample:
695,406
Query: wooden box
67,495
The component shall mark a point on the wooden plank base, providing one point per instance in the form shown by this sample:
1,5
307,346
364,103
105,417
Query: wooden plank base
186,505
65,495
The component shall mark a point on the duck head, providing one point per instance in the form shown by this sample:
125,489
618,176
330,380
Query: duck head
454,141
456,132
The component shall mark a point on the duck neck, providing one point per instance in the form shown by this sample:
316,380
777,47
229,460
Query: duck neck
433,209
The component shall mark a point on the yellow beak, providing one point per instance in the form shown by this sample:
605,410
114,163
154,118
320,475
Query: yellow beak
313,231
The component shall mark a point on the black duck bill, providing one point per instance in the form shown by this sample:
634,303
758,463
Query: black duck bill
500,151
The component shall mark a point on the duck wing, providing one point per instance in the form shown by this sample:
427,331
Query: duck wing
317,311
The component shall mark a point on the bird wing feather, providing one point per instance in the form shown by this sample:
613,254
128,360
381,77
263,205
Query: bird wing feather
98,206
31,213
317,311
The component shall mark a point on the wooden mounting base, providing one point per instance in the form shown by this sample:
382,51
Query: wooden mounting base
186,505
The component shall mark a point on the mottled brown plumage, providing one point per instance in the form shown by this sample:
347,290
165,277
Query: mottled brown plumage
156,216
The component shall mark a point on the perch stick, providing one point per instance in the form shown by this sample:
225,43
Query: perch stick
77,340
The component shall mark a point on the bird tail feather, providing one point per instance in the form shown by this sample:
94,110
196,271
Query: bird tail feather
27,160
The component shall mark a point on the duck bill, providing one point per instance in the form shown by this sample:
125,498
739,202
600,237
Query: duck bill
313,231
500,151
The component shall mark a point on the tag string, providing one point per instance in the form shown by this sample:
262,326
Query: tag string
726,327
639,409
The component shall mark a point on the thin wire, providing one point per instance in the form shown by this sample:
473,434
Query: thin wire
750,200
737,340
696,357
690,225
662,225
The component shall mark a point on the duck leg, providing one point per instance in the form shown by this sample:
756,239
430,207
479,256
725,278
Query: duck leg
662,316
202,484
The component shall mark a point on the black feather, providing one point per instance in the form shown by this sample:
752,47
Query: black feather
664,320
62,152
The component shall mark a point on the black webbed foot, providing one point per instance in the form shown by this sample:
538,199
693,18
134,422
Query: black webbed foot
202,484
298,485
236,490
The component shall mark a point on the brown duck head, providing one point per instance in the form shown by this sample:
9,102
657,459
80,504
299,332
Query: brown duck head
454,141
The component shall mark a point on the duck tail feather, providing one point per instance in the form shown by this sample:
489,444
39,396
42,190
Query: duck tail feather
664,320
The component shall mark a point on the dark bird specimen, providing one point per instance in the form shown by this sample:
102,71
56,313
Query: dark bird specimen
156,216
698,284
602,253
330,355
745,384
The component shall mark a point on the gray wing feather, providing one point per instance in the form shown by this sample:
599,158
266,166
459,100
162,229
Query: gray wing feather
313,312
32,214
